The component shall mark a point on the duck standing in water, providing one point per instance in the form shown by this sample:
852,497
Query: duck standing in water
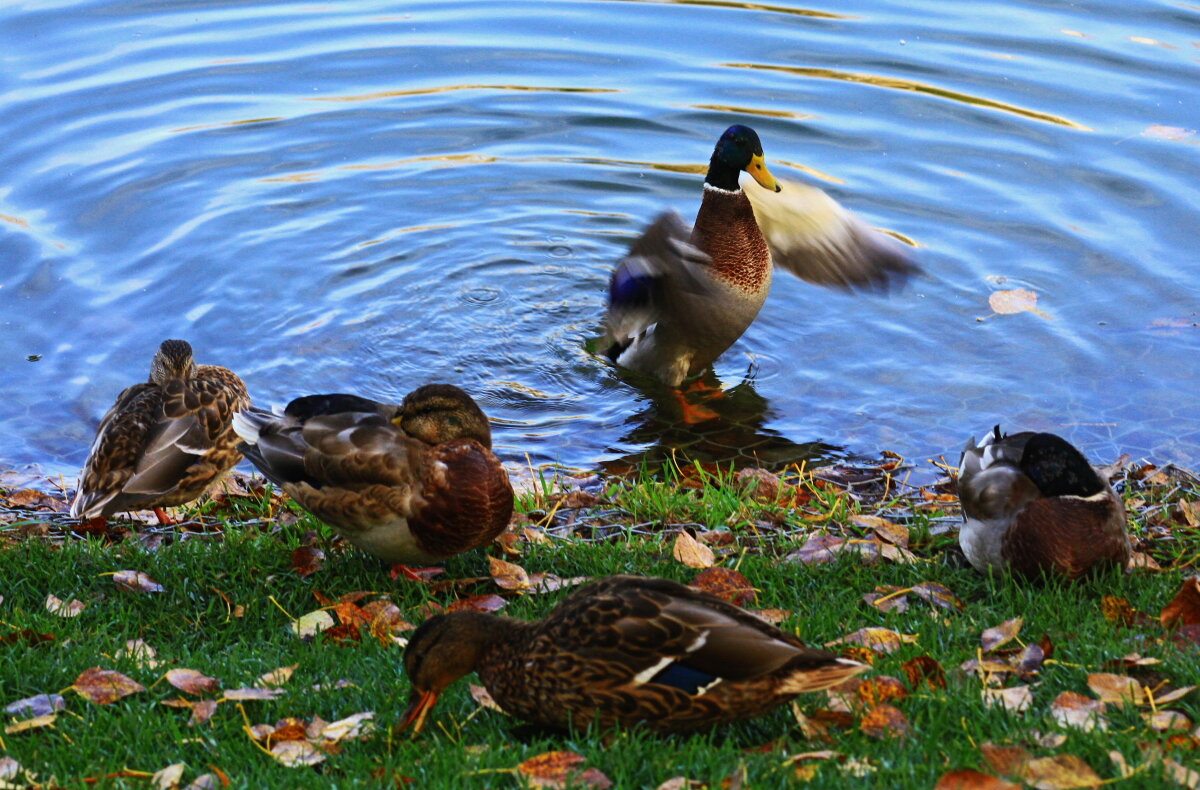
680,298
165,441
1033,505
626,650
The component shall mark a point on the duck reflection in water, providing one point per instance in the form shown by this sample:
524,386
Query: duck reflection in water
734,433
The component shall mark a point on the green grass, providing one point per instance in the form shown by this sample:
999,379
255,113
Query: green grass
191,625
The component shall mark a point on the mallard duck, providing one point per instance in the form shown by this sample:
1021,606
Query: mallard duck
410,483
681,297
165,441
625,650
1033,504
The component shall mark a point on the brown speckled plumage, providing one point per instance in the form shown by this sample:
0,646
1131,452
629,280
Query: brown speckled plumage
623,651
1033,505
415,482
681,297
164,442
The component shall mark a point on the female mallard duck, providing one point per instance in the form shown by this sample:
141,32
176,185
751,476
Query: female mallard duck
626,650
680,298
1034,505
164,442
410,483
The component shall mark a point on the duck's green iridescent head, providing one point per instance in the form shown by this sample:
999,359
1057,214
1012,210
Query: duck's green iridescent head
739,149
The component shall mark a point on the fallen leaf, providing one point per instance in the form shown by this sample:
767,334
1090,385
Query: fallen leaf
681,783
1061,772
1031,658
277,677
1014,699
888,598
26,635
817,549
881,640
1187,777
72,608
1173,696
692,552
561,770
924,670
1120,689
508,575
882,688
1167,720
311,624
351,727
1075,710
484,698
168,777
246,694
939,595
1001,634
969,779
1184,608
1120,611
105,686
772,616
202,711
136,581
142,654
1017,300
884,721
478,603
40,705
191,681
35,723
307,560
1005,760
295,753
726,584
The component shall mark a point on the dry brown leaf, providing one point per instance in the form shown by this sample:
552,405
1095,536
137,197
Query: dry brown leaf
1120,689
1001,634
1005,760
136,581
295,753
881,640
1014,700
1184,608
969,779
488,602
817,549
888,598
307,560
726,584
939,595
508,575
1017,300
1061,772
1167,720
1140,559
105,686
890,531
1173,695
202,711
882,688
1121,612
561,770
72,608
884,721
1031,658
191,681
924,670
247,694
692,552
772,616
484,698
1187,777
277,677
1075,710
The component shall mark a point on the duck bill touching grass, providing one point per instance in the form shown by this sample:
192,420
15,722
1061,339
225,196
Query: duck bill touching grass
165,441
682,296
624,651
410,483
1033,505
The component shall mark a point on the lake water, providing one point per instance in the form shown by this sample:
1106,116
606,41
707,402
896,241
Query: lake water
364,196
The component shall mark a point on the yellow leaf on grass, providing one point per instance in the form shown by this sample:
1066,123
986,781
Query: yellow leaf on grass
1115,688
881,640
30,724
1061,772
1075,710
692,552
1001,634
508,575
105,686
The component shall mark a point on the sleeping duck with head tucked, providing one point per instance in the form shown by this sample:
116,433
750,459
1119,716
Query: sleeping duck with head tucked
682,296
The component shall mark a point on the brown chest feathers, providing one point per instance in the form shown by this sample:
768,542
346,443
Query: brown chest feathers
727,231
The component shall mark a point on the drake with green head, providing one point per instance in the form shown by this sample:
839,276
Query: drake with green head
626,650
1033,505
681,297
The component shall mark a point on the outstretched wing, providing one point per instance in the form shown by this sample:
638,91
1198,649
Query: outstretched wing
812,236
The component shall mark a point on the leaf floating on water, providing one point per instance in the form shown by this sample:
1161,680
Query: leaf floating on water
1016,300
105,686
692,552
136,581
